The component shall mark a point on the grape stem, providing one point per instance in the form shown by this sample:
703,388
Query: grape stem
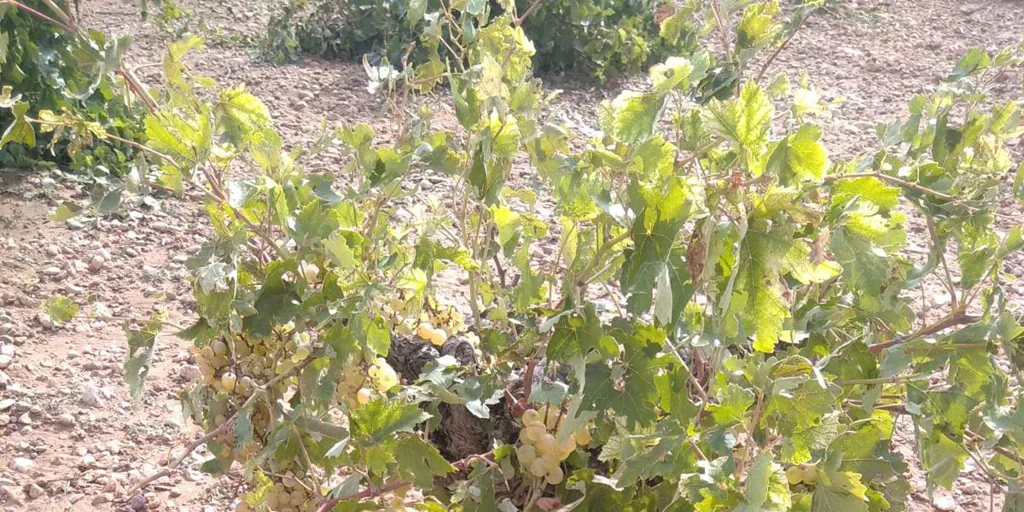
531,365
882,380
224,427
67,28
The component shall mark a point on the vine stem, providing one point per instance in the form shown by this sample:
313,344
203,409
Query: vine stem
594,263
137,88
940,248
881,380
173,465
529,10
218,194
957,317
126,142
689,374
375,491
531,366
999,449
59,12
697,153
724,30
768,63
67,24
67,28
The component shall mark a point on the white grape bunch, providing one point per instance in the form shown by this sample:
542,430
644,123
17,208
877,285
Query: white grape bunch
540,453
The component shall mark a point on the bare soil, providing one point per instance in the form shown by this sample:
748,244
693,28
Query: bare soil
70,436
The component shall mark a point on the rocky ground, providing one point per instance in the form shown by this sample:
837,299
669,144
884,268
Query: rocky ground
70,436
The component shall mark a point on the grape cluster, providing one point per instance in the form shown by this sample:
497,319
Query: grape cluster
287,495
237,367
435,325
540,453
429,333
357,388
802,474
310,272
218,363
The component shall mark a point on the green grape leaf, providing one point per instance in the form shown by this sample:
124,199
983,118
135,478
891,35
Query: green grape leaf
377,421
243,428
60,308
575,335
318,381
631,116
629,386
733,402
258,489
378,338
507,222
20,130
313,224
801,155
66,211
417,8
810,438
758,303
871,190
186,142
757,26
140,353
838,491
245,115
973,61
863,267
746,122
867,449
419,462
340,253
679,73
808,268
548,393
675,27
662,213
943,459
642,463
6,98
476,7
767,489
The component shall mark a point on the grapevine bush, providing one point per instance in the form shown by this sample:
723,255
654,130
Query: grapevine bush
761,341
53,69
599,38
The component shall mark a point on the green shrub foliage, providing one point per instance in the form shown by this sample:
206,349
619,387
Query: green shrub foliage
729,320
48,70
600,38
